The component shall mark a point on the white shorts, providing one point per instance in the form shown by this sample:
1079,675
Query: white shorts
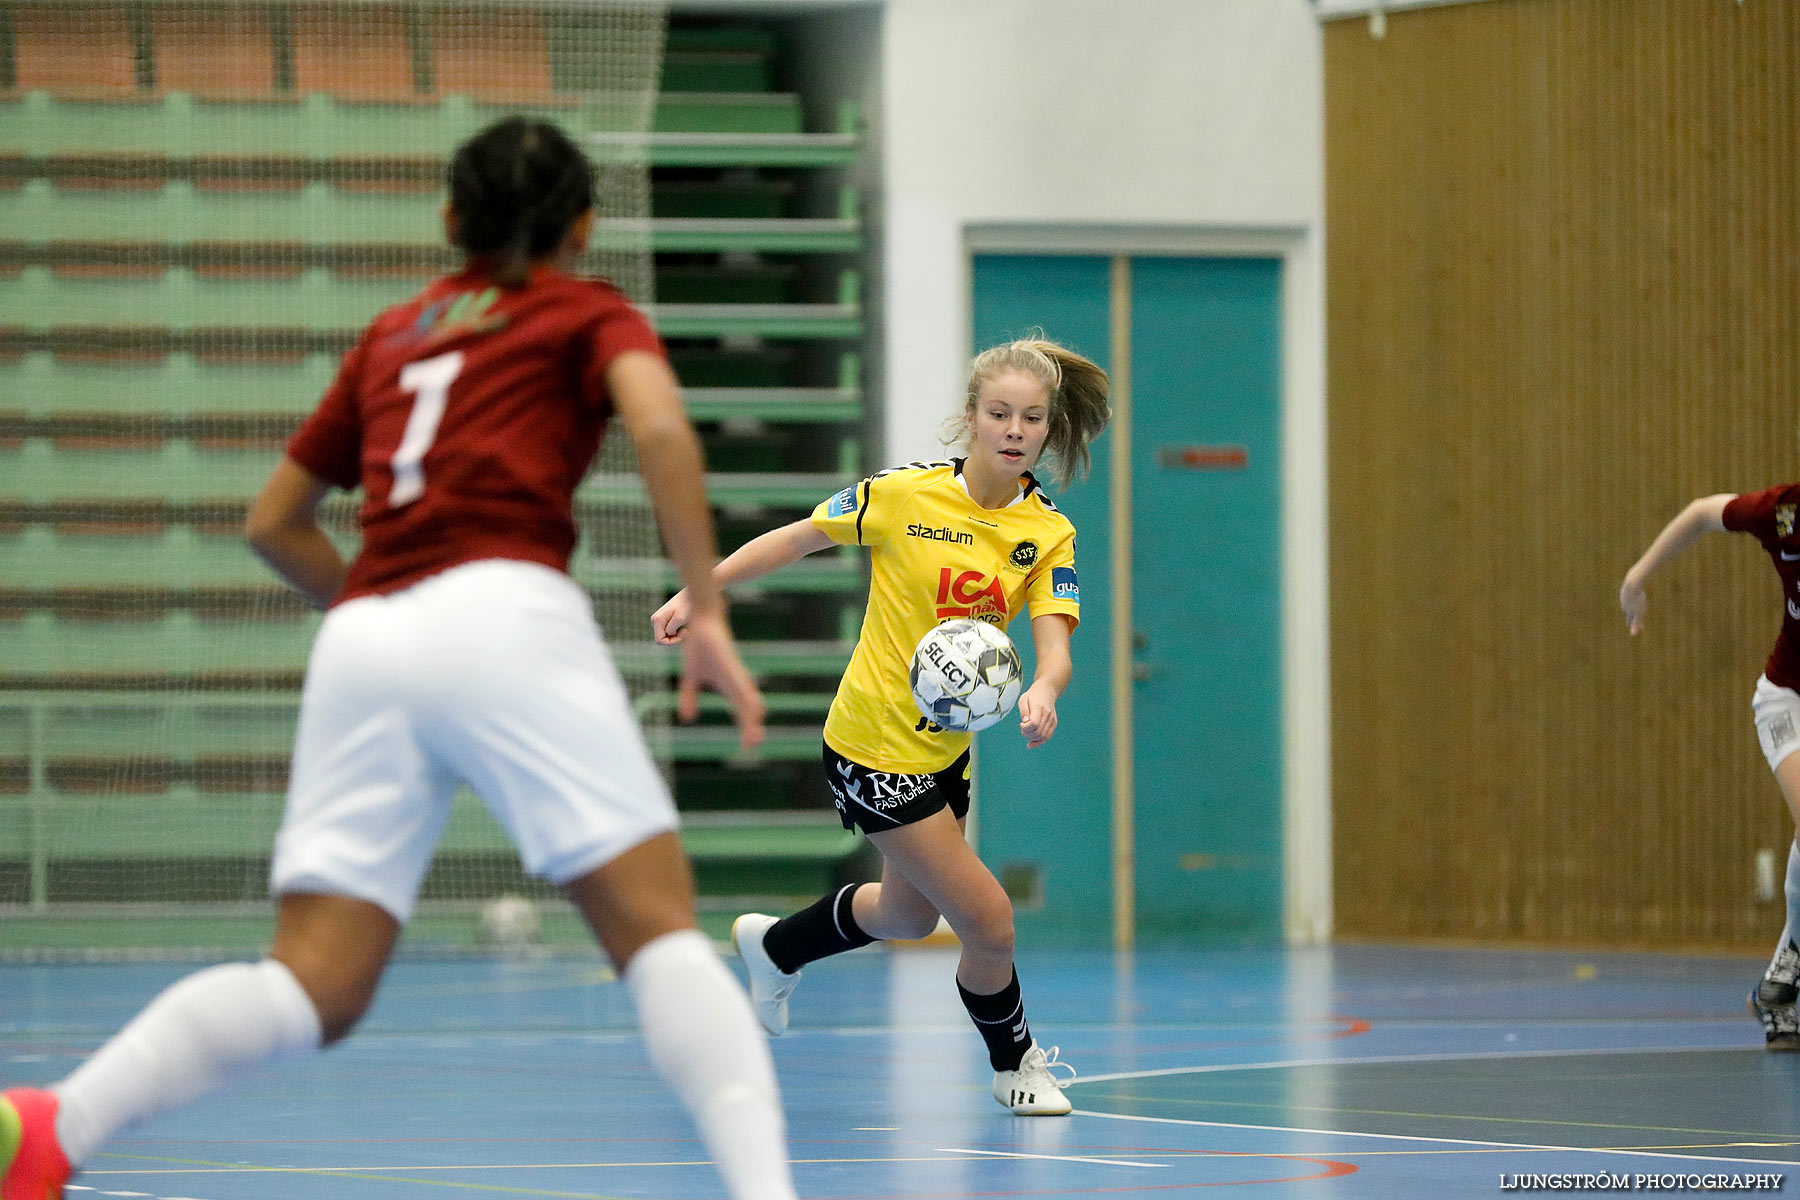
1777,712
493,674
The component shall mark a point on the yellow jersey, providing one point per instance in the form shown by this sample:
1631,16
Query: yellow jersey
935,554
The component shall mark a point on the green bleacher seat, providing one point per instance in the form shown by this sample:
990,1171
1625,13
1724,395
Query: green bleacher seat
125,655
178,275
38,300
365,226
790,405
753,489
37,472
715,71
38,386
154,570
175,384
729,59
393,273
730,149
806,836
320,126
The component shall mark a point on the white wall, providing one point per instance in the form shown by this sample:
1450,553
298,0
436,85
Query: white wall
1137,120
1184,113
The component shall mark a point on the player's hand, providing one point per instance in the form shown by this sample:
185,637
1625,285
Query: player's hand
709,658
1633,601
668,622
1037,714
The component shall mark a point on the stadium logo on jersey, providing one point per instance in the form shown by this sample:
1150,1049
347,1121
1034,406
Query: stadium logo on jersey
842,504
1063,585
940,534
970,594
1024,555
1784,520
466,312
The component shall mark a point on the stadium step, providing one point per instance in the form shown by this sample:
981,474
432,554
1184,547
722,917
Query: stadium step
180,239
269,397
316,224
319,301
183,125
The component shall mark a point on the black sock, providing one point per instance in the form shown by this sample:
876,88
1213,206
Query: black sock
1001,1020
826,928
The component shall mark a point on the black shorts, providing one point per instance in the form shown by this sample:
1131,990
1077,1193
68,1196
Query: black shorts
876,800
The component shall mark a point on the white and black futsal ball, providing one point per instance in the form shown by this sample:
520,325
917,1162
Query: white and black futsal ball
965,675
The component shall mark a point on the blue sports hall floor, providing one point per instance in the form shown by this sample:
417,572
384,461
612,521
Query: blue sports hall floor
1353,1072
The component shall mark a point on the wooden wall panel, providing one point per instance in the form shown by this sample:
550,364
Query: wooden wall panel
1563,286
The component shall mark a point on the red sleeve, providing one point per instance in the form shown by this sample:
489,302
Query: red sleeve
619,327
1754,513
329,443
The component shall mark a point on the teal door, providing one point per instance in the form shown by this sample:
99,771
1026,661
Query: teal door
1202,679
1045,821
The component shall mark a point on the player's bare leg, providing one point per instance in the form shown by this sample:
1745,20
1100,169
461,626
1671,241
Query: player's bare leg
336,948
1773,1000
696,1021
894,909
206,1031
936,860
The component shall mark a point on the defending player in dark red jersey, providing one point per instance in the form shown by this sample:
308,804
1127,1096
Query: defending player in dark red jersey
1768,516
457,649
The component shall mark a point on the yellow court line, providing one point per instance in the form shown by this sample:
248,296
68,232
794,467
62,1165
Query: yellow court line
220,1169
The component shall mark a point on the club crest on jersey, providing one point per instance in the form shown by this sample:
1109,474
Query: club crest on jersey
1064,586
1784,520
1023,556
466,312
970,594
842,504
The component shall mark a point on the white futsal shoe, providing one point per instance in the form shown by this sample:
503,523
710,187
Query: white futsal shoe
1773,1000
770,986
1032,1091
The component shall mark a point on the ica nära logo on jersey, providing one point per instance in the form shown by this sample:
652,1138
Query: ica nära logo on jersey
969,594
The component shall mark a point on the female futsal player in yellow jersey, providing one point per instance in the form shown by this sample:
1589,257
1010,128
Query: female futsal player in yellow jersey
970,537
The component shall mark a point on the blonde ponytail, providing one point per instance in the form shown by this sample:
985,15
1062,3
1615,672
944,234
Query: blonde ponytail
1079,392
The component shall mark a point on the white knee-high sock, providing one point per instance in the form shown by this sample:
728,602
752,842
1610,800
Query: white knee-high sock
200,1034
1791,888
705,1040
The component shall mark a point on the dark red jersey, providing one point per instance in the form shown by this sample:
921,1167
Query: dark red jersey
1769,516
468,415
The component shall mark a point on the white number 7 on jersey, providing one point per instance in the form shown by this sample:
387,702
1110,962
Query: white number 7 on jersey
429,380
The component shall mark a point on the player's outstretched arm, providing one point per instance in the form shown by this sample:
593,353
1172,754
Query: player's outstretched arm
755,558
648,400
1037,707
283,528
1702,516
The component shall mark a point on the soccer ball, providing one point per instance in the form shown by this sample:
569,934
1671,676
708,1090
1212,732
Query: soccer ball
509,923
965,675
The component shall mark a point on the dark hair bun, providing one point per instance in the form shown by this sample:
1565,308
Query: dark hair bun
517,187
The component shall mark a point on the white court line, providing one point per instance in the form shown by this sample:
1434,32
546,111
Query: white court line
1462,1056
1413,1137
554,1166
1105,1162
